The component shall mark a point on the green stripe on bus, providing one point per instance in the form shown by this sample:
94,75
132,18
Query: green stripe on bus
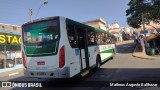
106,59
107,51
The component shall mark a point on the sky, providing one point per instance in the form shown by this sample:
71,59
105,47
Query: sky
16,12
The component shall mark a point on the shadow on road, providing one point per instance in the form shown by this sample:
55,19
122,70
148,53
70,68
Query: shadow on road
101,79
125,48
138,48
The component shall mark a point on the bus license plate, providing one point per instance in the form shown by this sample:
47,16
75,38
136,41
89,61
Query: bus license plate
41,73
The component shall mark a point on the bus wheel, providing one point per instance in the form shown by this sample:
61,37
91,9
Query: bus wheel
98,63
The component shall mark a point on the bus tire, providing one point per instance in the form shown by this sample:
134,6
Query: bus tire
98,62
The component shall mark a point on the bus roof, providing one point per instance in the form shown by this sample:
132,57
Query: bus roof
41,19
68,20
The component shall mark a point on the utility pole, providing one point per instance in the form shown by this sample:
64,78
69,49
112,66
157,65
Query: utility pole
30,14
143,23
5,56
144,29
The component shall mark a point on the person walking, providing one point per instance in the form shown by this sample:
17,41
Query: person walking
142,43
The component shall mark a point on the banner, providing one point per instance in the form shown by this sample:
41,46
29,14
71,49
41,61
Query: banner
10,39
73,83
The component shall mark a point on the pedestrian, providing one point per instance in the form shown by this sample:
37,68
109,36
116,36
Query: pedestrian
142,43
136,39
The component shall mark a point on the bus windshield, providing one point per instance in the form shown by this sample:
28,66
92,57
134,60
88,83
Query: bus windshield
41,33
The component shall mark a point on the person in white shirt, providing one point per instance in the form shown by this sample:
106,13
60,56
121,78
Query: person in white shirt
142,43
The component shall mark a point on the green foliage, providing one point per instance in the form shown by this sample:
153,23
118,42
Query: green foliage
133,22
150,9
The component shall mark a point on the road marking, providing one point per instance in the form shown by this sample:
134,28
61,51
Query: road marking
13,74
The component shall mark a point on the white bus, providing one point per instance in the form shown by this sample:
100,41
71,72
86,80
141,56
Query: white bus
57,47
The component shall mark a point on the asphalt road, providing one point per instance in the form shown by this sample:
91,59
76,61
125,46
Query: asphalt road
123,67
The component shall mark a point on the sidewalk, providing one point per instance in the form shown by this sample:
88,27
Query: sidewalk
138,53
10,71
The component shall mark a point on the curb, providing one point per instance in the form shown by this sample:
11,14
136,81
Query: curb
148,57
3,74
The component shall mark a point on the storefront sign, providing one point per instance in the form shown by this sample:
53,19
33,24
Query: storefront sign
10,39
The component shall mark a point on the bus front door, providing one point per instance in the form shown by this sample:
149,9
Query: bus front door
83,49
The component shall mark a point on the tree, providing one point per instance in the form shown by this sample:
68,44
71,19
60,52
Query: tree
150,9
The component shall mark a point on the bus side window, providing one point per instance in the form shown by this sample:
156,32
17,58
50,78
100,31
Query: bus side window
113,39
106,38
71,35
101,38
98,38
91,38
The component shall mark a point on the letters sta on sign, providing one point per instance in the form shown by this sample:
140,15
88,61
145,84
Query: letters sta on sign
9,39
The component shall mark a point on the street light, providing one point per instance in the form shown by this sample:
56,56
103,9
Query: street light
45,2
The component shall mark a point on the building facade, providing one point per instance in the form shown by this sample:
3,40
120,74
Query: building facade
10,28
98,23
101,24
10,45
